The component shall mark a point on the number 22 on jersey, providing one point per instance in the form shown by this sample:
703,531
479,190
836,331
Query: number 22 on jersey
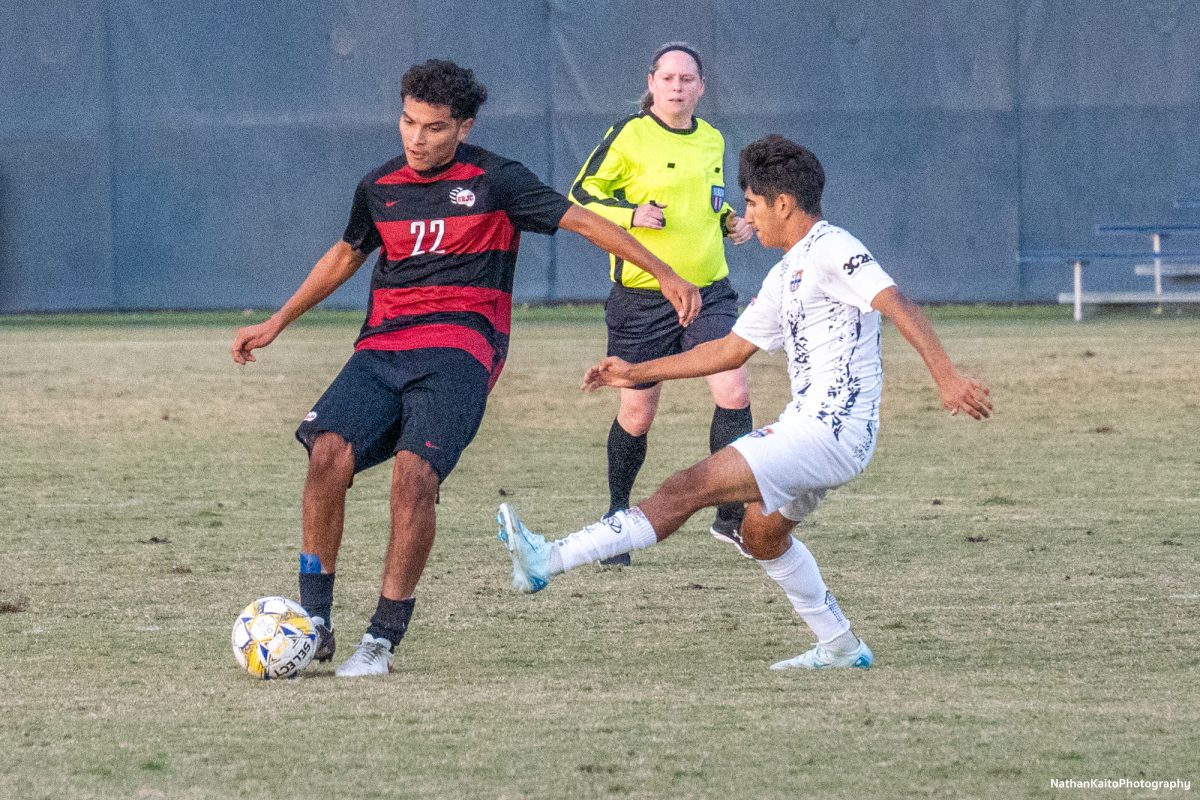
434,229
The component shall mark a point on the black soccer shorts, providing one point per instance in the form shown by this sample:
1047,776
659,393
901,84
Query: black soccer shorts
643,325
428,401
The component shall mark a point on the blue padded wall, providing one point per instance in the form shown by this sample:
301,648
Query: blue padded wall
205,155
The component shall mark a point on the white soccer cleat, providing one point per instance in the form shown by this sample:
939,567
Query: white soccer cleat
373,656
530,552
822,658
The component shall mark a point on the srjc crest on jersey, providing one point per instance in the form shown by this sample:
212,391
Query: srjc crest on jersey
462,197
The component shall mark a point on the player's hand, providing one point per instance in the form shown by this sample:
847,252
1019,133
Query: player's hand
649,215
738,230
683,295
612,371
960,393
251,338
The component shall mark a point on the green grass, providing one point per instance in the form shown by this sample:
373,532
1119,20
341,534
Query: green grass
1029,584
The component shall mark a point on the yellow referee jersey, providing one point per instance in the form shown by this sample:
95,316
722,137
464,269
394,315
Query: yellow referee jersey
642,160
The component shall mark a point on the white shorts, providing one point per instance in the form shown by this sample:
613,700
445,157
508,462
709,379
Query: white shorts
795,461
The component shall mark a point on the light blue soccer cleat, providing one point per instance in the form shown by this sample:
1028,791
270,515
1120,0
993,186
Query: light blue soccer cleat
530,552
821,658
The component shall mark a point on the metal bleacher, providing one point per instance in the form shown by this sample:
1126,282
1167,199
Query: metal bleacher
1173,266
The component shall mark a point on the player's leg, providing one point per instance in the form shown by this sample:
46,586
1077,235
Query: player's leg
323,510
789,563
339,433
413,499
721,478
732,417
795,461
442,407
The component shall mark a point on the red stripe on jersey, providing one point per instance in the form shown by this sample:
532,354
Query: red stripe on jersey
473,233
421,336
495,374
493,304
406,174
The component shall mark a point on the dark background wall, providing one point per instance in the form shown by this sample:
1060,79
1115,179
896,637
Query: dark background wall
204,155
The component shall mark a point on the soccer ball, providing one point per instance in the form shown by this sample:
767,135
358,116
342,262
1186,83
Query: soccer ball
274,637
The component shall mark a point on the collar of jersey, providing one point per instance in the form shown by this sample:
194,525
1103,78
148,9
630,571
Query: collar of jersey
668,128
793,253
433,171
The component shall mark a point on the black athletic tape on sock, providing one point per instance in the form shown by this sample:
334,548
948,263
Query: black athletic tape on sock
316,594
391,619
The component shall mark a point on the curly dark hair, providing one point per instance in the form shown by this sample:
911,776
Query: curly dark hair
775,165
444,83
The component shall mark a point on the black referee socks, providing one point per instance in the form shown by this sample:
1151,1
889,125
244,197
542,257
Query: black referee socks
626,454
729,424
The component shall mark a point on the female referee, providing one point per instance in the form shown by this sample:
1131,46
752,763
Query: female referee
660,174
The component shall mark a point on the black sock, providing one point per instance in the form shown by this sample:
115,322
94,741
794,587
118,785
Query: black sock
316,594
391,619
729,424
626,453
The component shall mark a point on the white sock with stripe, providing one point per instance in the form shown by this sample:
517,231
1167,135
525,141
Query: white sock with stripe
622,532
797,573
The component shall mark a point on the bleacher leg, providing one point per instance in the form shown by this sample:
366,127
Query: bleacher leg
1078,290
1156,247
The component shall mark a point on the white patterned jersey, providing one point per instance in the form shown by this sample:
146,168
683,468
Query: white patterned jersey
816,305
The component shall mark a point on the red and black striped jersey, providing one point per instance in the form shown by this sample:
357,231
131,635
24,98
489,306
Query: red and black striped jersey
448,241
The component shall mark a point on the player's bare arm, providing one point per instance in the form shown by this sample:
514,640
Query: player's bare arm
958,392
609,237
719,355
333,269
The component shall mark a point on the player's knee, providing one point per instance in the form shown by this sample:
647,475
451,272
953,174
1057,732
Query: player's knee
331,458
766,538
413,480
764,545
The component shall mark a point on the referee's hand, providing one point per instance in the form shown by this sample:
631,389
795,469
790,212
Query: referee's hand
683,295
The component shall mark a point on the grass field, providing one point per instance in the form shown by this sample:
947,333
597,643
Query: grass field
1030,585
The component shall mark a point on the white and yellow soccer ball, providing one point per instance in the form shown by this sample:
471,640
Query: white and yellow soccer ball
274,637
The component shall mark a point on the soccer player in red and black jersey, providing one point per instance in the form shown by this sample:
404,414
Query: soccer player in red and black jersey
447,218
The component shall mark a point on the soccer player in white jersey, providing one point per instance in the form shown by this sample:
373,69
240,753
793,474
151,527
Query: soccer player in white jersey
822,305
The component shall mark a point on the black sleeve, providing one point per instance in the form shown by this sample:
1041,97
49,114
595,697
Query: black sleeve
361,233
530,204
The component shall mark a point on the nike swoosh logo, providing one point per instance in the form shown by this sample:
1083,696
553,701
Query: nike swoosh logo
431,445
391,203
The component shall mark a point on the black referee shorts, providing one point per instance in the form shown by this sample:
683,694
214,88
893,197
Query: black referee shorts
428,401
643,325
